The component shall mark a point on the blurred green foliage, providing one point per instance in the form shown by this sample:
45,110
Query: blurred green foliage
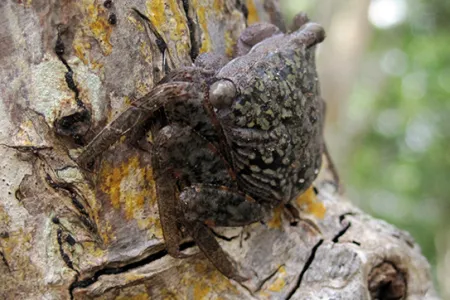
397,166
400,164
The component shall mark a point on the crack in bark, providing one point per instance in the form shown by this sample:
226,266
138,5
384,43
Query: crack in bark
191,26
305,268
74,124
2,255
244,9
33,149
84,216
40,126
59,50
246,288
223,237
243,236
345,228
341,232
162,45
316,191
117,270
342,217
160,42
63,254
271,275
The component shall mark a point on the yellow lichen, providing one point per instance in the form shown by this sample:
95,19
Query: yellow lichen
201,290
23,135
99,26
229,44
154,226
137,24
280,282
4,217
130,198
205,281
156,14
131,188
252,12
93,250
206,38
308,200
106,232
146,52
133,277
133,203
101,31
80,52
167,17
16,240
143,87
93,25
96,65
140,296
218,5
127,100
181,31
168,294
275,222
26,3
112,176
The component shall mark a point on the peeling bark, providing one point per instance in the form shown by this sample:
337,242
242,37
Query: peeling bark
68,68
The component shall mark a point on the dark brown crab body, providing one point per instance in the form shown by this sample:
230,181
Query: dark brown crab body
274,127
238,139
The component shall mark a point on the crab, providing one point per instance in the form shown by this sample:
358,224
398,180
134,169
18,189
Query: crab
231,139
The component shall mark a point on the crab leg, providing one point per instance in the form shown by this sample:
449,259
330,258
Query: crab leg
206,241
140,112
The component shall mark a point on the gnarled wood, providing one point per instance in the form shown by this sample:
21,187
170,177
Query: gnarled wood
67,68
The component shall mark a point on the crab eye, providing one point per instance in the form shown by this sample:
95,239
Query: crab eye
222,94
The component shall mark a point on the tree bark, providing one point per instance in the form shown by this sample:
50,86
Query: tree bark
68,68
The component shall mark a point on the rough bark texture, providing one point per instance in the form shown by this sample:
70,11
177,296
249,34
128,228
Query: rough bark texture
67,68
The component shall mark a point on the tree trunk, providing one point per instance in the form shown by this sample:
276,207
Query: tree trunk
68,68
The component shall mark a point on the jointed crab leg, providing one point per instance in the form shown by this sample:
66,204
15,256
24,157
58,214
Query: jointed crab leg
176,157
209,198
206,241
140,111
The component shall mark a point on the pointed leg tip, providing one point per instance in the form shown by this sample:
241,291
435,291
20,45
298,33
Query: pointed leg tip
299,20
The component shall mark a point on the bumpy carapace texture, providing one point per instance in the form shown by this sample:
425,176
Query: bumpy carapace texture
231,139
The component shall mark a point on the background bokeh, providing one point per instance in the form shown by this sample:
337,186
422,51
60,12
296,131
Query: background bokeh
385,74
